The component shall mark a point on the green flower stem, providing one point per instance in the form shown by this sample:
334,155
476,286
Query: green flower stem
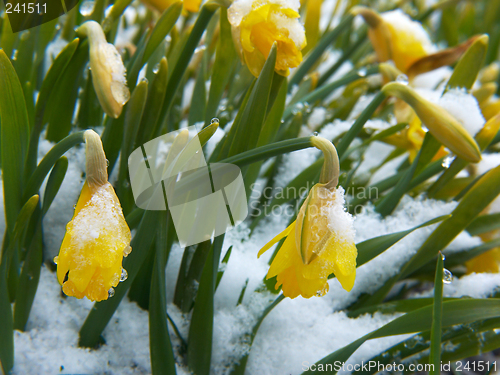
322,92
331,168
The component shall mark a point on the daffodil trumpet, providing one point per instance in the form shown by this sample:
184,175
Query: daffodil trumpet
107,69
97,238
257,27
320,242
440,123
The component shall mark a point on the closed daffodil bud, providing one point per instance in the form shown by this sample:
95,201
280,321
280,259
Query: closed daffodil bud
108,71
395,36
321,241
97,237
256,25
440,123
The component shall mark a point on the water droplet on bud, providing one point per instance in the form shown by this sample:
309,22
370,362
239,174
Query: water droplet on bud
214,120
124,275
56,259
402,78
111,292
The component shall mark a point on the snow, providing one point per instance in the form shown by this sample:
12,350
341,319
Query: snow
464,108
340,221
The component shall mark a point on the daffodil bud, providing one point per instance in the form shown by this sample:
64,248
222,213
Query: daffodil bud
485,92
108,71
490,73
395,36
256,25
97,237
440,123
321,241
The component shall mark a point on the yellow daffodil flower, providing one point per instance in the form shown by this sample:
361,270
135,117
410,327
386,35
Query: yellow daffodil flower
97,237
107,69
321,241
256,27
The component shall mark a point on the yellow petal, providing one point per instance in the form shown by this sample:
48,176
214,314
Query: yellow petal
276,239
287,256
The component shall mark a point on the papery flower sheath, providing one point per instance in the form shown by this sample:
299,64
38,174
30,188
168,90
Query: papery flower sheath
97,237
320,242
257,24
107,69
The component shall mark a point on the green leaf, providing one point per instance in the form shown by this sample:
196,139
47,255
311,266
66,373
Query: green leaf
14,139
49,82
224,261
199,98
147,128
223,68
471,205
133,115
162,356
454,312
162,28
314,55
30,273
483,224
60,106
54,182
114,14
429,148
102,311
245,131
359,123
369,249
322,92
48,161
437,313
206,12
201,328
468,67
7,326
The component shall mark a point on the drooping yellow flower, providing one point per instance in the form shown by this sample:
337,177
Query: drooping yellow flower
97,237
107,69
257,25
320,242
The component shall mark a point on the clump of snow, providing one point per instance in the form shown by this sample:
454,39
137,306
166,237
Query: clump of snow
464,107
413,30
372,275
475,285
50,343
340,221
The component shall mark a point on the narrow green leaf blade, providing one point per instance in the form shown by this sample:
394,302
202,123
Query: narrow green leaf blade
437,313
14,139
